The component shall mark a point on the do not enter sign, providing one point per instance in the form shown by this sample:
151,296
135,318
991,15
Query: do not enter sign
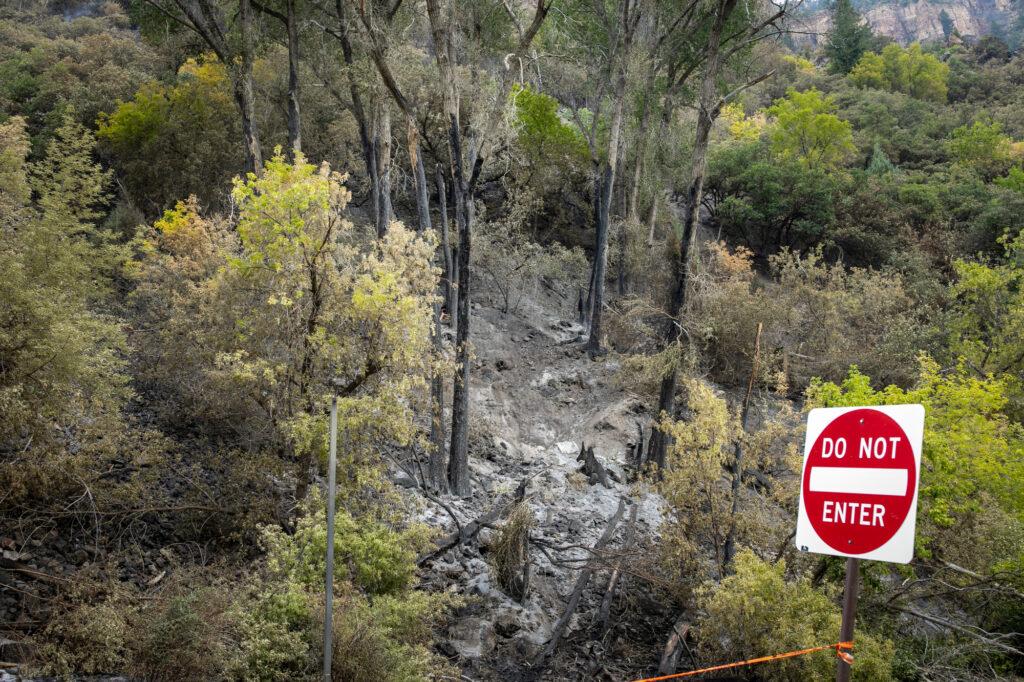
858,491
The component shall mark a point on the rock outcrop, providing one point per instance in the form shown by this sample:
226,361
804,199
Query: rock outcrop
920,21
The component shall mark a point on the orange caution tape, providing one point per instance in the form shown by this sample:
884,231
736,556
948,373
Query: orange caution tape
840,647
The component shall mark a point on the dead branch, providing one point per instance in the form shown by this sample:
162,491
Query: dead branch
987,638
674,647
473,528
613,581
577,593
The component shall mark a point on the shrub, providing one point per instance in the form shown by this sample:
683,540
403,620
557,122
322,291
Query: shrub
513,265
756,612
88,633
818,319
705,510
377,558
276,634
387,639
183,635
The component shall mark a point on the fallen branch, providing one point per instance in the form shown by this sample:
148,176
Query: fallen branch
674,647
147,510
8,565
986,638
604,612
473,528
574,599
981,578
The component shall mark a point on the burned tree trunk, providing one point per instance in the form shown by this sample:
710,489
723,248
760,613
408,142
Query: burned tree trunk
737,464
446,246
294,121
708,109
592,468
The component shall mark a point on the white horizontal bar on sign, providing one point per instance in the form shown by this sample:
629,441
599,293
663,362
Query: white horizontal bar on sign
858,481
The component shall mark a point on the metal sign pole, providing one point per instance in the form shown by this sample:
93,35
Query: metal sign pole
329,582
850,590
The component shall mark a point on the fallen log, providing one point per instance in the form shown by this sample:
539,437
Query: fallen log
577,593
674,648
473,528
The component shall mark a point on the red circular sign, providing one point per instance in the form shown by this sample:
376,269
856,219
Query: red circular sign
859,481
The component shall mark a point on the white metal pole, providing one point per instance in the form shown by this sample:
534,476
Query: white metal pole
329,582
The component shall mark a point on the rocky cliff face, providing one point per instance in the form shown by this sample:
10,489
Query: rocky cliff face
920,21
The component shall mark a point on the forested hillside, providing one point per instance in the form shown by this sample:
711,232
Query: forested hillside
571,271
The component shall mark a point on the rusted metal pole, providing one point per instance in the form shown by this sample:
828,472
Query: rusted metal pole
850,590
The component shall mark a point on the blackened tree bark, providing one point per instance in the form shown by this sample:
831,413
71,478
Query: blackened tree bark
358,108
242,76
629,18
737,463
463,185
446,245
382,146
718,48
294,121
708,107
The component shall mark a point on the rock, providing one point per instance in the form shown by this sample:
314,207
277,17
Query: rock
504,364
507,623
485,538
453,571
472,637
567,447
405,480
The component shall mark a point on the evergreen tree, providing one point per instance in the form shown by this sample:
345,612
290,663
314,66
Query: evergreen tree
880,163
849,39
948,27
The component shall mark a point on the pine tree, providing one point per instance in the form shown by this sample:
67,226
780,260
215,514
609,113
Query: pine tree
849,39
948,27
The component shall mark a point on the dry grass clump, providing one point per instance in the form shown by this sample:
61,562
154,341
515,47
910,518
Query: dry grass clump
510,555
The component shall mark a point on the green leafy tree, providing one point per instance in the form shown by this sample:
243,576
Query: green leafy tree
252,320
170,142
982,147
987,321
768,203
849,38
62,373
806,127
972,469
1014,180
908,70
542,132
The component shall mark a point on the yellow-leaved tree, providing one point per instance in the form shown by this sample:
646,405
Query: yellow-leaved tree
711,509
256,321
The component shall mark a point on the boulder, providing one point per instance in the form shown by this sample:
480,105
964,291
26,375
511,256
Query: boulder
472,637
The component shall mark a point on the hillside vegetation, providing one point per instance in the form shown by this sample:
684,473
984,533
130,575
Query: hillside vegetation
573,272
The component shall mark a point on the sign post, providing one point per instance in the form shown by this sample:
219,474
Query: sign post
850,590
858,492
332,464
